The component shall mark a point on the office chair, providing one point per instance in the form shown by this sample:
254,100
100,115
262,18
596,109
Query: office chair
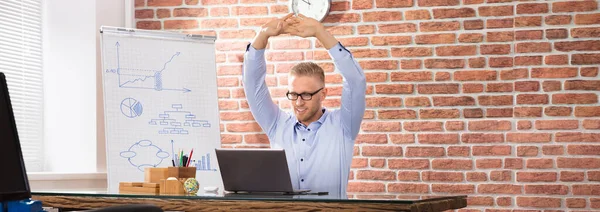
129,208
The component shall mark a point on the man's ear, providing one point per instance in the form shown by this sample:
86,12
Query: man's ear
324,91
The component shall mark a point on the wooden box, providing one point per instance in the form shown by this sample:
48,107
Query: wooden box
154,175
181,172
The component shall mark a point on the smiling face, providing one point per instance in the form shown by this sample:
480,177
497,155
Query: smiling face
307,78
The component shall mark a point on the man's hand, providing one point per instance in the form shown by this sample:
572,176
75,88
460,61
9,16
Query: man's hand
303,26
273,28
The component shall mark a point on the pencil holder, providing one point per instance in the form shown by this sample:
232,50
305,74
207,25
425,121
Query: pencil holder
154,175
182,172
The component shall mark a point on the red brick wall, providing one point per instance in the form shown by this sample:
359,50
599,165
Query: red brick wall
495,99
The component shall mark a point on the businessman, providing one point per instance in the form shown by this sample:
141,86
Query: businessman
318,142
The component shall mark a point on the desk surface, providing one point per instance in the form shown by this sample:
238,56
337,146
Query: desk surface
229,202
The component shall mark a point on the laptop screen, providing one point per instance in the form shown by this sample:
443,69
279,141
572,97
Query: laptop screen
13,180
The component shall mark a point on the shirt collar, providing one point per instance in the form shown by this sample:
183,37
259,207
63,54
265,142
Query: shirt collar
320,120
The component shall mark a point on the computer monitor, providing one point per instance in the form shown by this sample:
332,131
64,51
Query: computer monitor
13,179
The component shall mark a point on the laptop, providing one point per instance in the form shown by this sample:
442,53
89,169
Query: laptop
14,184
255,171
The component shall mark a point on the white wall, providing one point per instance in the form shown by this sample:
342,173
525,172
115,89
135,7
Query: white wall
73,108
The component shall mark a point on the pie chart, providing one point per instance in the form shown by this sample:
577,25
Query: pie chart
131,108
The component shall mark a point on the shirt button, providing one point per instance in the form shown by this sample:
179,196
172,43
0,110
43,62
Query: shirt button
308,129
301,159
302,180
303,139
340,50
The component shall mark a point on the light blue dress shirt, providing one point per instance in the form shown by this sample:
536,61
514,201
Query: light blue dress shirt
318,155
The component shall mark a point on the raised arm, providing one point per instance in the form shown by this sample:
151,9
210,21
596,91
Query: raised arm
261,104
354,88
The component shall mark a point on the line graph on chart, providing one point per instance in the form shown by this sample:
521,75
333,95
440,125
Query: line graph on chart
137,78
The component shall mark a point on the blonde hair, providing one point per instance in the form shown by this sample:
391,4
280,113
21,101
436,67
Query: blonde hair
308,69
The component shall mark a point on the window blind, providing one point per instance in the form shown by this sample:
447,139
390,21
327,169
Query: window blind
21,62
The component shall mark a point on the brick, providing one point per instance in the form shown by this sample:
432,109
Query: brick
527,86
416,14
499,189
578,163
411,64
411,52
362,4
438,113
192,12
588,71
537,176
453,188
256,139
467,2
411,76
472,88
553,149
393,4
539,163
435,38
151,25
408,176
284,56
375,175
442,76
528,21
342,18
593,175
514,74
586,189
528,137
444,63
556,124
372,138
589,32
496,10
527,151
382,16
488,163
397,28
408,163
144,14
423,126
408,188
439,26
438,138
477,62
495,49
442,176
583,149
576,203
533,47
553,72
366,29
340,6
473,24
586,19
489,125
453,101
557,34
243,127
290,44
574,6
495,100
501,62
433,3
500,36
532,99
566,46
417,102
476,177
455,125
470,38
396,114
532,8
365,187
575,98
513,163
219,23
394,89
456,50
529,34
571,176
524,125
425,152
577,137
558,111
585,59
558,19
381,126
500,23
402,138
551,86
377,163
591,124
244,33
491,150
557,59
482,138
452,164
390,40
501,175
162,3
473,113
505,201
539,202
384,102
379,64
453,13
499,112
387,151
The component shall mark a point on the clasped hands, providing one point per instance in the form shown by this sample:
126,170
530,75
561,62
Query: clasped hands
300,25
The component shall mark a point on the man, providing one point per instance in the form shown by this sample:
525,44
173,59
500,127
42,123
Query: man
318,142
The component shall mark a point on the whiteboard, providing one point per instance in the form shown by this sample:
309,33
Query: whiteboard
160,97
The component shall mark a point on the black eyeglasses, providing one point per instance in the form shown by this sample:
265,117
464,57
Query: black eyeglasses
304,96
